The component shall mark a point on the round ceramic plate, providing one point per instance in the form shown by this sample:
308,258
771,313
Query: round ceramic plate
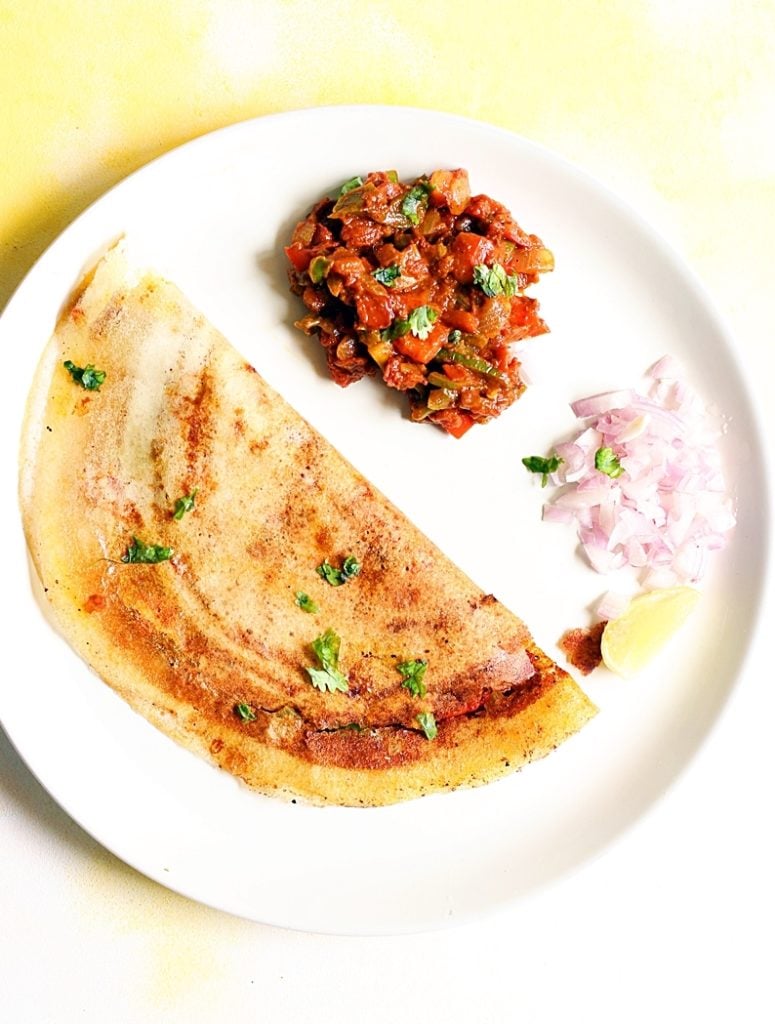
213,216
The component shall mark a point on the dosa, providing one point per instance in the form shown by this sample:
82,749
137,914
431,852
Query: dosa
178,511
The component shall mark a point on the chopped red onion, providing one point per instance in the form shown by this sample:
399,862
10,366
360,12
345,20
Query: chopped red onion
596,404
612,605
669,507
666,368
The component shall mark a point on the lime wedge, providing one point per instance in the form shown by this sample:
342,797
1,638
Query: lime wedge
631,641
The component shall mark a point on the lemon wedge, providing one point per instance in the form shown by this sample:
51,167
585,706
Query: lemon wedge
630,641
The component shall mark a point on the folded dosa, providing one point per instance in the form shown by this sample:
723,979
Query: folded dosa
210,644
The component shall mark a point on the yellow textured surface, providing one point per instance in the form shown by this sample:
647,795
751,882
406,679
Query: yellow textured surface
670,102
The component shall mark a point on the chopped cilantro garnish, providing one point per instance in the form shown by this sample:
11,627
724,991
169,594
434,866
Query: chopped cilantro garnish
305,602
137,551
494,280
336,577
387,275
329,573
87,376
412,673
327,677
350,184
326,647
350,567
420,322
428,725
538,464
607,462
414,200
184,504
246,712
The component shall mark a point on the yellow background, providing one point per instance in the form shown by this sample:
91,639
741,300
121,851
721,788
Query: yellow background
670,102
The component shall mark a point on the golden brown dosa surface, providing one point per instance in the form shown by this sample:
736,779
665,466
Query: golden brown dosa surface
184,641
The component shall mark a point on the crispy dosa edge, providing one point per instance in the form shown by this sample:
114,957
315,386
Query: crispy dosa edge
502,735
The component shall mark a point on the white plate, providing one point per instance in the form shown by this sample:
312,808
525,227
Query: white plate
213,216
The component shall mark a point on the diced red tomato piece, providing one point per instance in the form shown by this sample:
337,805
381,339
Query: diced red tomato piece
469,249
402,375
422,350
298,256
351,268
524,320
462,320
472,247
417,297
455,372
454,421
501,357
374,308
361,231
450,189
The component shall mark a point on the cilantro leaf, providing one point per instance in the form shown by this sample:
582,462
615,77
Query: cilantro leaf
387,275
412,673
329,573
326,647
305,602
246,712
414,201
87,376
327,677
351,184
495,281
538,464
184,504
336,577
327,680
420,322
428,725
350,567
607,462
137,551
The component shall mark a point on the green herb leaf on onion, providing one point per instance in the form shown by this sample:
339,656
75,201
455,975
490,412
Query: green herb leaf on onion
538,464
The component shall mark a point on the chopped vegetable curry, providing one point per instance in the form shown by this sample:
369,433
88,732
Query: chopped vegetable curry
424,283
